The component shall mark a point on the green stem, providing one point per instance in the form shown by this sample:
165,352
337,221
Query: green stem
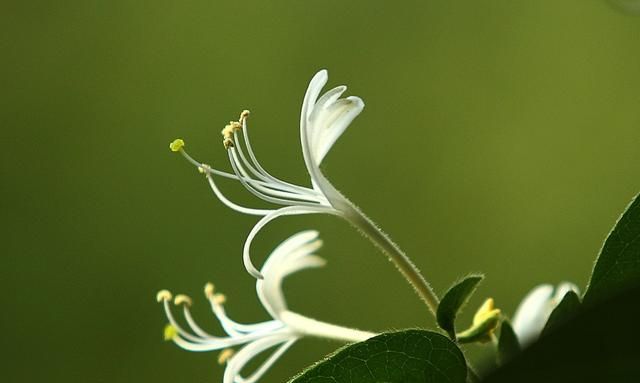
407,268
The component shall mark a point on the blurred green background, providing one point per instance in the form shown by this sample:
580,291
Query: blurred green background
498,136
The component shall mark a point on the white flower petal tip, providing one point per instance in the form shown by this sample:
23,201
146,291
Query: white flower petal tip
536,307
279,333
323,120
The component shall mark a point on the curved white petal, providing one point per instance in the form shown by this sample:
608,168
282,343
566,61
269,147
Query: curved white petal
257,374
331,122
299,255
323,120
532,313
288,246
269,288
562,289
289,210
248,352
536,308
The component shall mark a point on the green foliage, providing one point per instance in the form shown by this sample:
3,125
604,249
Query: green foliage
410,356
508,345
597,345
618,265
454,299
566,309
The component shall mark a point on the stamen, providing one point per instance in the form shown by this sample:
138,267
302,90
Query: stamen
186,335
219,299
208,290
243,116
226,201
227,133
182,299
225,355
163,295
192,323
176,145
282,184
231,327
242,175
272,186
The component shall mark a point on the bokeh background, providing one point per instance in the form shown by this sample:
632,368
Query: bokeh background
498,136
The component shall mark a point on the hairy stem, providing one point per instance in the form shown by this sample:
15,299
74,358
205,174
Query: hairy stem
408,269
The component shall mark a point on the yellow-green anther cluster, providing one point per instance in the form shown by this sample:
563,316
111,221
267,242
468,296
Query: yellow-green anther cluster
176,145
170,332
485,322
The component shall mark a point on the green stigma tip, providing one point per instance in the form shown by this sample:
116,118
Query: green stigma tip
176,145
170,332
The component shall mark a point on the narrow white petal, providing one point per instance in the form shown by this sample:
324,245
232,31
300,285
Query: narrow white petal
313,91
323,103
267,363
532,314
332,123
562,289
289,210
288,246
248,352
285,259
269,289
324,119
318,82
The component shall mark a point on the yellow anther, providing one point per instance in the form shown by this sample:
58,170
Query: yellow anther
163,295
225,355
227,131
176,145
243,116
182,299
219,299
170,332
208,290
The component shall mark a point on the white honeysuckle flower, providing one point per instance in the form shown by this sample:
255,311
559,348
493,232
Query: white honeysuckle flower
322,121
279,333
533,312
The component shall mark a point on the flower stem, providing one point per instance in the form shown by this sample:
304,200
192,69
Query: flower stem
408,269
357,218
312,327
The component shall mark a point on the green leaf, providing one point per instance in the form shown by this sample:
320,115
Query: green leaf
508,345
565,310
599,344
410,356
618,265
454,299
